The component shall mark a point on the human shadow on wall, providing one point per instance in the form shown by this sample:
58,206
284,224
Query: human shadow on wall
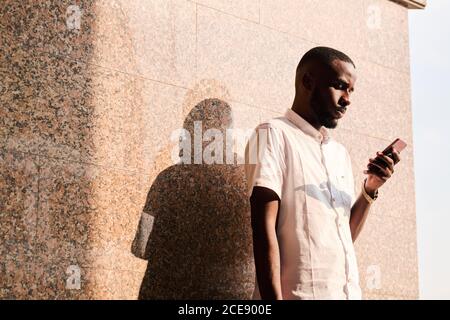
197,221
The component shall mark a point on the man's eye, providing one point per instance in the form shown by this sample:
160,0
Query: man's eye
339,86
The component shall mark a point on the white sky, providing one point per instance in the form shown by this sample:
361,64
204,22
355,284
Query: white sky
430,66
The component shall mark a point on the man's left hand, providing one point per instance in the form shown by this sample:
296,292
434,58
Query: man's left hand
380,170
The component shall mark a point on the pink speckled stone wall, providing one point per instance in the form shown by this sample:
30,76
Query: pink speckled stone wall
92,91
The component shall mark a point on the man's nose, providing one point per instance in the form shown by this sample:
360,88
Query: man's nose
344,101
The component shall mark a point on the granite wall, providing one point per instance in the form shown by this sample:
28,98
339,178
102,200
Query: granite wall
91,92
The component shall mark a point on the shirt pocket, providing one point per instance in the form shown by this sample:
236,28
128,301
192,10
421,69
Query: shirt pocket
343,190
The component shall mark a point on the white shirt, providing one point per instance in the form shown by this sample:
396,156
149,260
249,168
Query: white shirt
312,175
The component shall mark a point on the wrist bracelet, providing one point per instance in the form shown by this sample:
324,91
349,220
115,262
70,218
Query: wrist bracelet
369,199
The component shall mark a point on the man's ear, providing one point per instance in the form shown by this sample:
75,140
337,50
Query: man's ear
308,81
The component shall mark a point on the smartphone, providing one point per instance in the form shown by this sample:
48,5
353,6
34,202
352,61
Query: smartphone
398,144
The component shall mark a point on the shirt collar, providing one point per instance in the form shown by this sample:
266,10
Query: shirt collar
320,135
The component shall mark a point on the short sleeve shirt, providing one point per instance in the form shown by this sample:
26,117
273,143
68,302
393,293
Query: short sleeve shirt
312,175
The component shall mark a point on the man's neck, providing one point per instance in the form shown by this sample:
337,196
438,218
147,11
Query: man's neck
304,111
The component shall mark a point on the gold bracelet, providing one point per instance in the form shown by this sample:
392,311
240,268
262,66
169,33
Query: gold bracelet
369,199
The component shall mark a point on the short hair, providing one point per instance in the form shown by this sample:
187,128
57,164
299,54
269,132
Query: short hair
325,55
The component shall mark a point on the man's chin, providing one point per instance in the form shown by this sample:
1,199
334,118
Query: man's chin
330,123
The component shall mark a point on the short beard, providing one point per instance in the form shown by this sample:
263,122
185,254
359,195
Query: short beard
330,123
322,114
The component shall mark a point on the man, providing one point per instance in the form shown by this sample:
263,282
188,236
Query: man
305,216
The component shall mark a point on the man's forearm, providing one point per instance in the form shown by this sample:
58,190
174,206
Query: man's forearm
264,212
267,264
359,213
